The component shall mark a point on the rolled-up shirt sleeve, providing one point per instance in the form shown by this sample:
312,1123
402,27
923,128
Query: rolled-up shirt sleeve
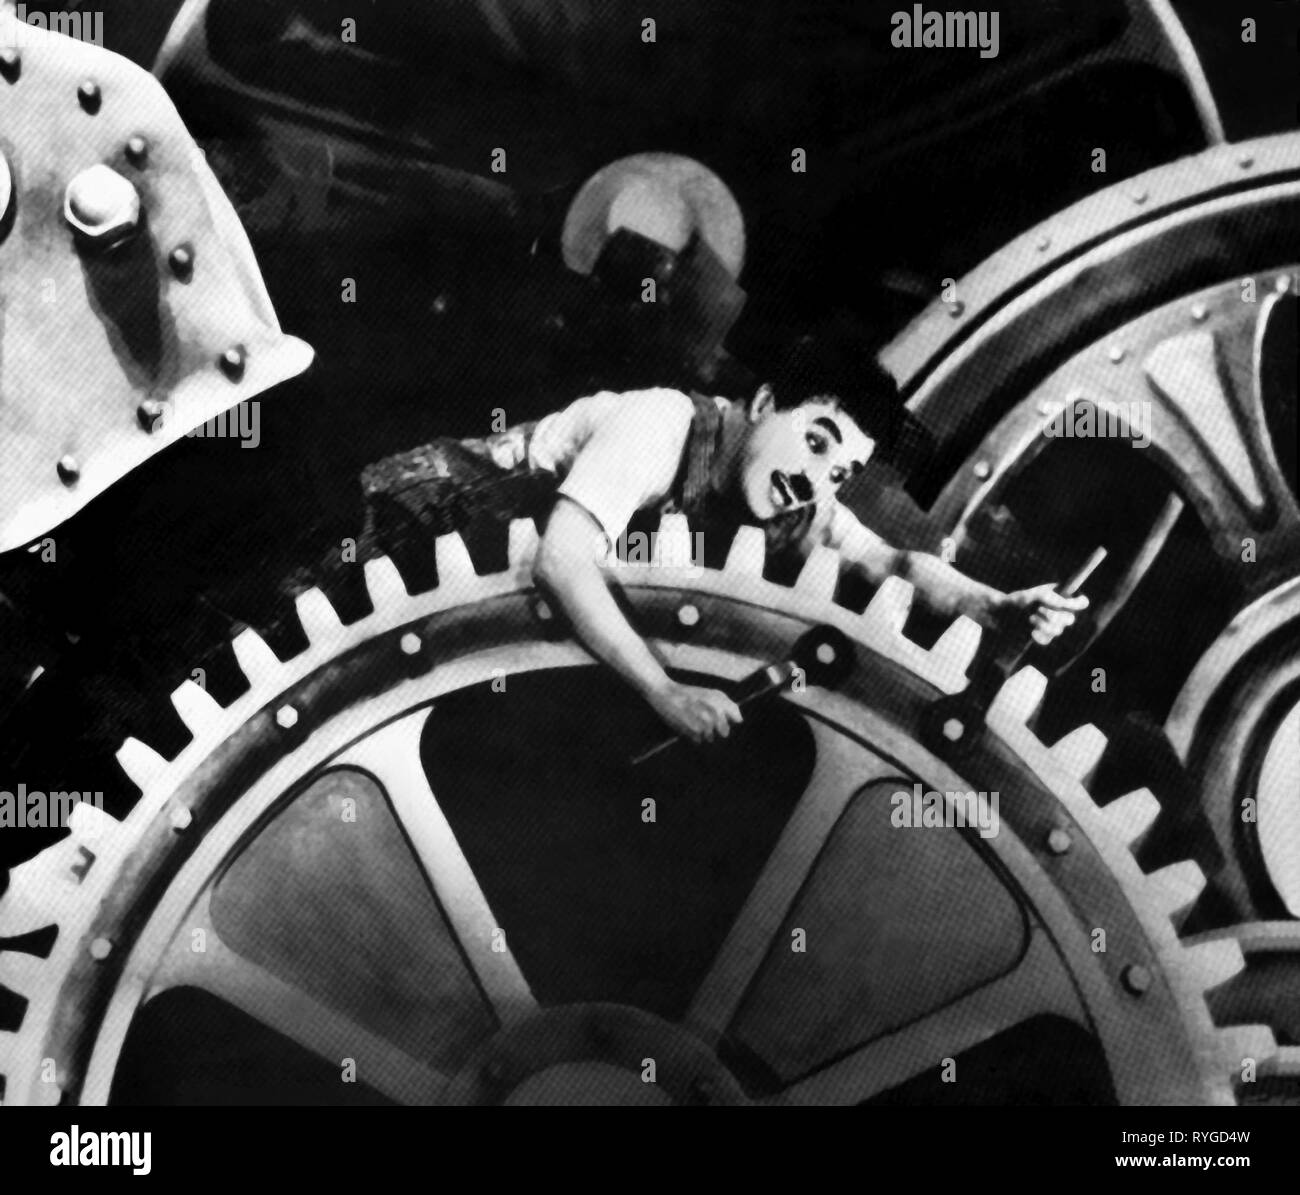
631,458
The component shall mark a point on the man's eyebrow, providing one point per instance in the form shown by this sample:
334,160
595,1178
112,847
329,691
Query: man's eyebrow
831,426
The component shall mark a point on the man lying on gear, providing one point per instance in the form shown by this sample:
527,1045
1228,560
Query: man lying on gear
610,460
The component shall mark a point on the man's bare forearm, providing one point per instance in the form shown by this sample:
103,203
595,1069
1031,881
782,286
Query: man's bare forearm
947,591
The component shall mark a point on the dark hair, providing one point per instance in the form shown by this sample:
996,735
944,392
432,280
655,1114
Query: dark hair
840,366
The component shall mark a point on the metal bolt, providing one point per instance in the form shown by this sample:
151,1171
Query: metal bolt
181,818
410,644
982,470
100,949
957,309
232,363
149,413
953,730
542,610
1283,284
69,469
1139,196
137,149
1116,353
1059,841
286,717
1199,311
1246,161
825,653
688,615
1043,244
11,64
102,207
440,305
181,261
1136,978
89,96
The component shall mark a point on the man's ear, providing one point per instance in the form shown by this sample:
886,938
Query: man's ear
762,404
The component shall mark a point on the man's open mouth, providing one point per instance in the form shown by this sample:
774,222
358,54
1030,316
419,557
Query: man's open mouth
782,493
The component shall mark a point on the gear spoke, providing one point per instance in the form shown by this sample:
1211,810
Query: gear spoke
392,756
923,1045
842,768
292,1012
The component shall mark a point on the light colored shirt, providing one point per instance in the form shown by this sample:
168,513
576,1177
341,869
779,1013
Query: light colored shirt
616,454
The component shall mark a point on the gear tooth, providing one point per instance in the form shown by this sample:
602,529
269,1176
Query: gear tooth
820,574
1283,1063
90,824
953,652
21,973
1176,888
1079,752
383,582
1132,815
455,569
889,606
673,541
320,621
1020,696
256,659
141,763
523,543
748,553
196,706
1216,962
8,1044
1239,1042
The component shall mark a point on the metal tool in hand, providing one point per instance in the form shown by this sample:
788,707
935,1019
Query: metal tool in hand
954,721
822,656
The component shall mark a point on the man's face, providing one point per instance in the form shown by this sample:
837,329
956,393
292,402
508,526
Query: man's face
797,457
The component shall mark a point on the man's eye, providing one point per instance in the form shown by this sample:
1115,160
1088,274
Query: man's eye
816,443
838,475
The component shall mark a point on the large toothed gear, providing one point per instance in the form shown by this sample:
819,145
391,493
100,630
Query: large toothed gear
126,897
134,308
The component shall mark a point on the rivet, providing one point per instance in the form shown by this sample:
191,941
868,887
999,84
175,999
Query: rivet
1246,161
88,95
1139,196
542,610
1136,978
137,149
825,653
1043,244
410,644
100,949
982,470
180,818
1283,284
69,469
149,413
957,310
232,363
688,615
1116,353
1059,841
286,717
1199,311
181,261
440,305
953,730
11,64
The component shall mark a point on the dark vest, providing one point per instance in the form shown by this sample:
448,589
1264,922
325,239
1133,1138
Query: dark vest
457,485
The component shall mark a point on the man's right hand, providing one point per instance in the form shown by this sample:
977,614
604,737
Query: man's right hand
695,713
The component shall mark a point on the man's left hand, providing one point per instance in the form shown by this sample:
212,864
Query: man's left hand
1045,610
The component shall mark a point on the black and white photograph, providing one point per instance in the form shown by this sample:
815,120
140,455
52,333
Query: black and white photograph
683,553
